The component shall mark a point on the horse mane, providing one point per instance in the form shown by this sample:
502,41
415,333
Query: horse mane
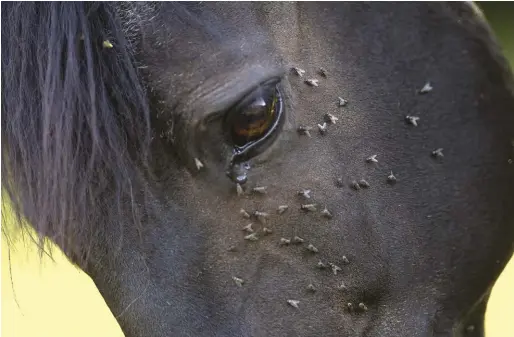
75,121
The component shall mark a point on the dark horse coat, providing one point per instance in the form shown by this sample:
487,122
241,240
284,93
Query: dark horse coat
266,169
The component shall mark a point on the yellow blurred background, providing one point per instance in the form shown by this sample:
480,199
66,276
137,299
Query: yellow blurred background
45,298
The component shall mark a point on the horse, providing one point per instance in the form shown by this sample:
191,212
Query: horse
265,168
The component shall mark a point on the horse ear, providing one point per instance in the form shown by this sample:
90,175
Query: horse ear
75,119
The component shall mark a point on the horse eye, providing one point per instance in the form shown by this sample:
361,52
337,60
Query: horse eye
254,120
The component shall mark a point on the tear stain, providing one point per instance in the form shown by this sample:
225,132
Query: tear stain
309,207
426,88
199,164
239,189
282,208
438,153
342,101
251,237
248,228
330,119
313,82
312,249
260,189
372,159
412,120
326,213
244,213
284,242
297,240
305,130
293,303
238,281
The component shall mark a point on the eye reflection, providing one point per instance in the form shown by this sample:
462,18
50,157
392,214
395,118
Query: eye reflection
254,120
252,124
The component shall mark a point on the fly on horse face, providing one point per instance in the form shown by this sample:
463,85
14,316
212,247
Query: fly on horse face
266,169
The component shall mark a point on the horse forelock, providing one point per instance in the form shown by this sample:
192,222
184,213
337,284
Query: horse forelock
75,121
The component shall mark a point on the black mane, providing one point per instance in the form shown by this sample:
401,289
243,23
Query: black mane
75,120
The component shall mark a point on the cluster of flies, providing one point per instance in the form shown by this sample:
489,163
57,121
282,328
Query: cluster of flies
252,235
329,119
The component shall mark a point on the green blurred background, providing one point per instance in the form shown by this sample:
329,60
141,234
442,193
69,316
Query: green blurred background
44,298
500,309
501,17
